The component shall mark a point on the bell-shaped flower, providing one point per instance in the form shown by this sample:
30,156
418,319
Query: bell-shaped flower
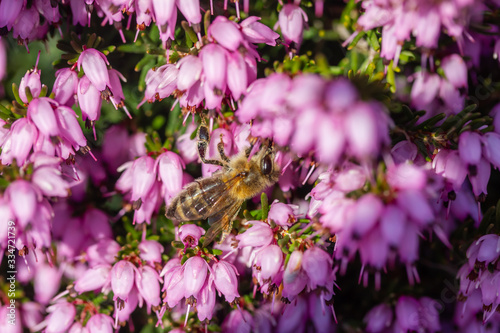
469,147
150,251
129,306
424,89
291,21
9,12
69,127
270,260
148,284
455,170
213,58
50,181
102,252
256,32
365,214
416,205
189,234
225,280
294,317
226,33
163,10
361,129
22,136
491,142
317,265
32,81
294,278
122,279
93,278
115,86
455,69
96,224
187,147
65,86
190,68
144,174
46,282
238,321
205,302
195,274
429,314
150,203
282,214
26,25
94,66
100,323
406,176
378,319
392,224
175,287
170,166
480,181
190,9
259,234
168,79
404,151
322,319
407,313
61,316
22,198
89,99
236,74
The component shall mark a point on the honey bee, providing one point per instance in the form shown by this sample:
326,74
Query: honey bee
219,197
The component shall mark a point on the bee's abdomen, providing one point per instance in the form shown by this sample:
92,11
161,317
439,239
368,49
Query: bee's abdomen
195,201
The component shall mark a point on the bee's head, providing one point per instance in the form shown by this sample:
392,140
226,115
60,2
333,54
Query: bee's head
268,168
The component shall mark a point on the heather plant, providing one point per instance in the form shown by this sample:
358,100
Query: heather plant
382,119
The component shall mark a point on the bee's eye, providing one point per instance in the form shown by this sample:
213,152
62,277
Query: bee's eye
266,165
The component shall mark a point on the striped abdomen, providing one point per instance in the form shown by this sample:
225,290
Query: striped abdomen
197,200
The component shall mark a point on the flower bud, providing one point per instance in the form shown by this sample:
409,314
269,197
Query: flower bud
259,234
205,302
226,33
147,282
93,279
270,260
291,20
150,251
317,265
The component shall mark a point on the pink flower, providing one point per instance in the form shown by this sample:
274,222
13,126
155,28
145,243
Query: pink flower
31,81
213,58
93,279
89,99
195,273
455,69
294,278
189,234
175,286
491,142
291,21
69,127
270,260
170,167
94,66
256,32
407,313
237,81
23,200
317,265
100,323
150,251
259,234
122,279
9,12
148,284
61,316
226,33
469,147
65,86
143,173
225,280
26,24
294,317
49,180
20,142
163,11
282,214
190,68
205,302
46,283
379,318
190,9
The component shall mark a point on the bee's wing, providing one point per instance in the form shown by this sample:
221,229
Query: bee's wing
222,221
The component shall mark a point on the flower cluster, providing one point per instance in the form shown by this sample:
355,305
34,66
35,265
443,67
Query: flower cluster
425,20
222,67
311,114
409,314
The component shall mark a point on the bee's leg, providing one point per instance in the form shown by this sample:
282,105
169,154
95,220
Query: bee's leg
203,139
220,148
